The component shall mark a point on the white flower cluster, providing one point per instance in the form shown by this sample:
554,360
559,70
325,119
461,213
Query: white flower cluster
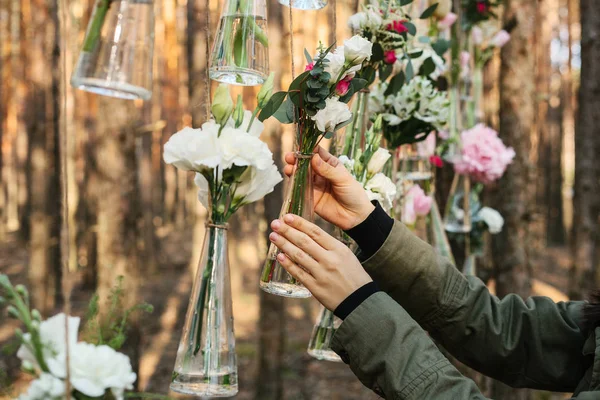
417,98
492,218
369,19
93,369
348,59
215,149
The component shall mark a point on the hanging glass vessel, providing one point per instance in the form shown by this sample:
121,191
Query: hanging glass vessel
319,346
305,4
206,363
116,58
299,201
457,216
240,53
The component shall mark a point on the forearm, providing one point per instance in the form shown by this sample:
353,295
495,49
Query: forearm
392,355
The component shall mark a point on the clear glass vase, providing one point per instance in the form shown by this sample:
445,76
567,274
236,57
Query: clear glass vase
206,363
305,4
116,58
240,53
415,164
319,346
457,216
299,201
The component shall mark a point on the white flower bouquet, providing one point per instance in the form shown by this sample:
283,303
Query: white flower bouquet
96,369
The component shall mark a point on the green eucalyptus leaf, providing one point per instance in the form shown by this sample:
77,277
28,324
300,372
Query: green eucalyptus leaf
405,2
385,70
295,85
272,106
427,68
285,113
395,84
428,12
424,39
441,47
342,124
410,71
416,54
412,29
377,53
308,57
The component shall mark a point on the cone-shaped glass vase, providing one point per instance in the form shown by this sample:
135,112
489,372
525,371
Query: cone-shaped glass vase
305,4
240,52
319,346
299,201
457,216
116,58
206,363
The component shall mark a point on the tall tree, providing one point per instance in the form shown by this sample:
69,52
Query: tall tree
586,203
513,196
43,161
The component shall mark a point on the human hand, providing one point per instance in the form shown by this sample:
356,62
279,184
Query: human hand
339,198
317,260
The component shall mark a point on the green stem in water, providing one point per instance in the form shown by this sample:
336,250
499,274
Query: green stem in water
91,39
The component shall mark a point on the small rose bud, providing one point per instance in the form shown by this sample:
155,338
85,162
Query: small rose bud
266,91
482,7
436,161
342,87
447,21
309,67
389,57
222,105
500,39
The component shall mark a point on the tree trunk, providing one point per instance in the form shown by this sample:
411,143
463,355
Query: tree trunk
587,146
512,196
42,128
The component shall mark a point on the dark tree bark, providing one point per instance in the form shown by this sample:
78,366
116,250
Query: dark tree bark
587,146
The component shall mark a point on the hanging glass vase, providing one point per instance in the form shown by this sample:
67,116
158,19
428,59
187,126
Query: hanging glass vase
116,58
457,216
304,4
240,51
319,346
299,201
206,363
415,164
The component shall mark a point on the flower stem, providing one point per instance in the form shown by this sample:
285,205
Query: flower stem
91,39
254,114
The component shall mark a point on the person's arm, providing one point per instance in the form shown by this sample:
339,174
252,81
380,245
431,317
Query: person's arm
534,343
392,355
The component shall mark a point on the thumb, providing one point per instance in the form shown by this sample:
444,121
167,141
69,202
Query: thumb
333,170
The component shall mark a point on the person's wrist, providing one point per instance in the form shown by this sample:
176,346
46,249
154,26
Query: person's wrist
362,214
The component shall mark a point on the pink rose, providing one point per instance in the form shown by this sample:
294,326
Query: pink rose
397,26
309,67
483,155
500,39
389,57
482,7
416,204
447,21
436,161
342,87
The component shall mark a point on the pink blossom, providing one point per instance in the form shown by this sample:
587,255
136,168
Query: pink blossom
397,26
465,57
416,204
444,134
483,155
342,87
482,7
447,21
426,147
477,35
500,39
309,67
389,57
436,161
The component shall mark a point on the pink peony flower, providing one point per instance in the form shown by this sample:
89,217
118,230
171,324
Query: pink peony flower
389,57
447,21
426,148
342,87
444,134
309,67
416,204
483,155
436,161
500,39
397,26
482,7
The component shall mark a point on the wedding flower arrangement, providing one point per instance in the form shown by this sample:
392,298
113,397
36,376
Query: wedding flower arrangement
483,156
96,369
412,112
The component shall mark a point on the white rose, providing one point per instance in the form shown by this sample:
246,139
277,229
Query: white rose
242,149
46,387
347,163
377,161
203,190
383,186
255,130
374,19
52,336
357,49
357,21
95,369
335,64
256,184
492,218
194,149
334,113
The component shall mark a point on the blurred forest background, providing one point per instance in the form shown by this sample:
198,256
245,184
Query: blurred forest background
131,215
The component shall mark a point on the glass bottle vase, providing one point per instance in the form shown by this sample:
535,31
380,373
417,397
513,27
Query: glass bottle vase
274,278
457,215
304,4
116,58
206,363
319,346
240,53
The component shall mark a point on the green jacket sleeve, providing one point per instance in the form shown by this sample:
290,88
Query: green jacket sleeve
391,354
534,343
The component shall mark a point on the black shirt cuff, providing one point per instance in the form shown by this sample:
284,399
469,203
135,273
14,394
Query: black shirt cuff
372,232
355,300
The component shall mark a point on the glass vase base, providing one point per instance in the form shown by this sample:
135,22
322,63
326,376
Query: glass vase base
197,386
304,4
324,355
237,76
285,289
456,227
112,89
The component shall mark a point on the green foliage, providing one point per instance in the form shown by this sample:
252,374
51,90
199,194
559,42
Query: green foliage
410,131
429,11
272,106
395,84
110,327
